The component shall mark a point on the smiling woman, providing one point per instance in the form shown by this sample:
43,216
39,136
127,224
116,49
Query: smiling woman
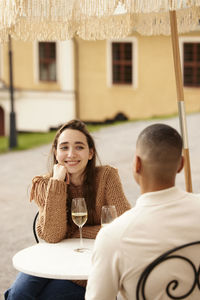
73,174
72,155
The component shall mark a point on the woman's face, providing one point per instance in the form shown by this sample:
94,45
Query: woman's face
73,151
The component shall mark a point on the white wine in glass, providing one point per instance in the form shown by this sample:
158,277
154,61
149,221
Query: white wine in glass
79,217
108,214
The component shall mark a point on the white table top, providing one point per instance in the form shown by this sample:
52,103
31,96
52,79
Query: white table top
58,261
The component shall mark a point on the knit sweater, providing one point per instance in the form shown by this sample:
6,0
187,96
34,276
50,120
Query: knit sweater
51,197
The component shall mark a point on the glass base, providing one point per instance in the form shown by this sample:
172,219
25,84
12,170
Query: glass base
81,250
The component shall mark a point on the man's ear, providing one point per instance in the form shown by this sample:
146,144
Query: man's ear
137,164
181,165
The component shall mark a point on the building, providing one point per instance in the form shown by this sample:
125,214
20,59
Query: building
136,76
96,80
43,75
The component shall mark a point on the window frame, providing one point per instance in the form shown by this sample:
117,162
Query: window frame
134,83
47,60
37,64
182,41
1,61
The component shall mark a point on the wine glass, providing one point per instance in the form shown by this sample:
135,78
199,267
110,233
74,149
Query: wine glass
79,217
108,214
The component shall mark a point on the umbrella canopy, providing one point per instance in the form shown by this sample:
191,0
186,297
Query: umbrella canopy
93,19
104,19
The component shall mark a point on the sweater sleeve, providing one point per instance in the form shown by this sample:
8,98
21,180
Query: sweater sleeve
114,192
110,193
50,196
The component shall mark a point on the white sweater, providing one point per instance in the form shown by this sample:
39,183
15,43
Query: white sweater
158,222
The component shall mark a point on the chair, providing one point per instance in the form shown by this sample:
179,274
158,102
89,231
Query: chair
182,264
34,227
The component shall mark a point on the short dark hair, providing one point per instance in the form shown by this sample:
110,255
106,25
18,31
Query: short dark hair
161,141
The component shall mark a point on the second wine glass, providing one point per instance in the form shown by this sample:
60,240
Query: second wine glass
79,217
108,214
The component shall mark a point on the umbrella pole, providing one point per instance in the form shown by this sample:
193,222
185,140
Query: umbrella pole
180,99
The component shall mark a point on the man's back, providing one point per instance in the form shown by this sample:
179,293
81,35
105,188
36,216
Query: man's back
164,217
159,221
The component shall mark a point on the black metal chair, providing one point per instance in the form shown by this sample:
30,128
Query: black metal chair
180,262
34,227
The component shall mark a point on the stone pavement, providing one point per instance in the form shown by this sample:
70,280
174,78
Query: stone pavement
115,146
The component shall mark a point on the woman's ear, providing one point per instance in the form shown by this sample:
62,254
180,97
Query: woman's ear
55,156
91,153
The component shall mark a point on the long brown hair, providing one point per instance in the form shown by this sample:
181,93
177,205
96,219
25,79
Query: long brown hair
89,182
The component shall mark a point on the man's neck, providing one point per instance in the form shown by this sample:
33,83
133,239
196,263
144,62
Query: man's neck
148,188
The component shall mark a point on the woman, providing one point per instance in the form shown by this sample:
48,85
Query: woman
74,174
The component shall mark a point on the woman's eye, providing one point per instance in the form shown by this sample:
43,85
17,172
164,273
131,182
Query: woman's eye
79,147
64,148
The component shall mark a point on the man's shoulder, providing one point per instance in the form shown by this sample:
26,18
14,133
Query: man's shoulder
194,195
117,229
191,196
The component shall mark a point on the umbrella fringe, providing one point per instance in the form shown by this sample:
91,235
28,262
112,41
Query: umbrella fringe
30,20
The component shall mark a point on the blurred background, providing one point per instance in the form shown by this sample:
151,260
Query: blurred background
116,86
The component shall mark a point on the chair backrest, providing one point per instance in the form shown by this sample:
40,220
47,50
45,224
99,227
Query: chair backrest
34,227
180,278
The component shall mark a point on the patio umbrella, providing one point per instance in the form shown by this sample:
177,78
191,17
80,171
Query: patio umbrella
105,19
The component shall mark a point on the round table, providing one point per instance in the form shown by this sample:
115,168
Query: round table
58,261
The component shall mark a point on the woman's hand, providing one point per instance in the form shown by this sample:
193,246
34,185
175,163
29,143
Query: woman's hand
60,173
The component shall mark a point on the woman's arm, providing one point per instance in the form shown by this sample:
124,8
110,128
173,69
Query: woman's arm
89,232
110,193
50,196
114,192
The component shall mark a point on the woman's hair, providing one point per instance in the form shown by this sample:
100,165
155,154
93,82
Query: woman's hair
89,183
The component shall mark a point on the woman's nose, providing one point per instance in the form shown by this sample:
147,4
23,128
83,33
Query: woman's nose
71,152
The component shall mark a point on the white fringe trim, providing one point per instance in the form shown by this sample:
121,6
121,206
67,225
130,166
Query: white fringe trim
93,19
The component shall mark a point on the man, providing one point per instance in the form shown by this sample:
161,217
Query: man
164,217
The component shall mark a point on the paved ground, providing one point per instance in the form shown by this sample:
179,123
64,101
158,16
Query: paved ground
115,146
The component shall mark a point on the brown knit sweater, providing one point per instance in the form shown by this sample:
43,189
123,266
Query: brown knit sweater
51,198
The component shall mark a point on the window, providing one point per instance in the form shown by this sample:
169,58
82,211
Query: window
122,54
47,61
122,60
191,60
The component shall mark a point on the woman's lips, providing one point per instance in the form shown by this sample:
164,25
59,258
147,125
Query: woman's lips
72,163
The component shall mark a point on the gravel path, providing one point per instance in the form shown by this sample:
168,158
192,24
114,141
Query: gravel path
115,146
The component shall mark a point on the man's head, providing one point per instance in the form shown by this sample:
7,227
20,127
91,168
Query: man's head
158,156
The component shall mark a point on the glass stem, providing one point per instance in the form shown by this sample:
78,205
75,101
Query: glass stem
81,239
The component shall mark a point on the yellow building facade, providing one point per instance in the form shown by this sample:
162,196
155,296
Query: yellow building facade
154,91
41,102
25,67
83,85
